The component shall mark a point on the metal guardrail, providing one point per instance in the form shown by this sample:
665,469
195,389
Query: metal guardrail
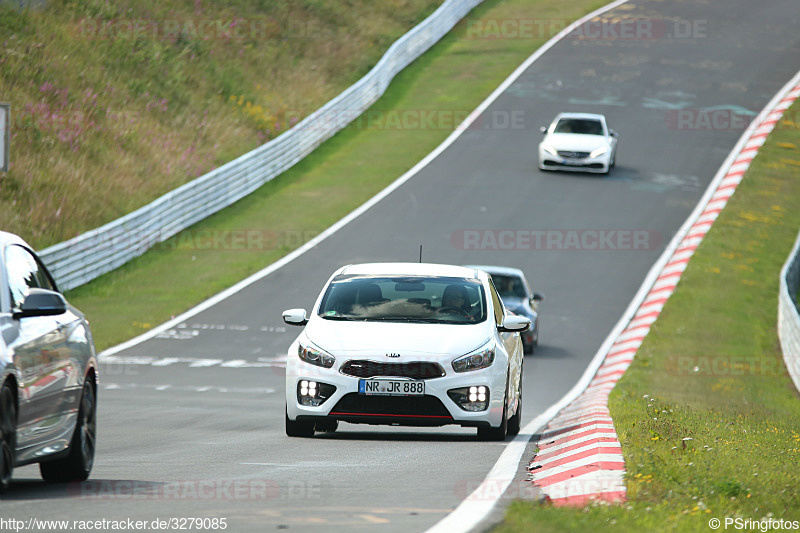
788,315
96,252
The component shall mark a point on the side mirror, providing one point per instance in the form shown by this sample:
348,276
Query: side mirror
42,302
612,133
295,317
515,323
543,129
537,297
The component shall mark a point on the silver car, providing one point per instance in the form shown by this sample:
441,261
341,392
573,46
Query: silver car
48,393
514,290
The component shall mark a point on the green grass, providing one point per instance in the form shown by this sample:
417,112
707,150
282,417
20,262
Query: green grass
105,119
711,370
453,77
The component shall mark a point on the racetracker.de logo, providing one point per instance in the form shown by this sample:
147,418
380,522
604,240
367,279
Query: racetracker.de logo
597,29
716,366
173,29
196,490
556,240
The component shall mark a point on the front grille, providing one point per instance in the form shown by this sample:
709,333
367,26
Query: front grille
412,369
359,405
569,166
573,155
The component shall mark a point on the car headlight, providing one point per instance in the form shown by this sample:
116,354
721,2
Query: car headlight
315,356
550,150
598,151
481,358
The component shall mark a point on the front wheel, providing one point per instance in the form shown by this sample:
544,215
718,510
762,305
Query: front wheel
515,421
298,428
498,433
78,464
8,435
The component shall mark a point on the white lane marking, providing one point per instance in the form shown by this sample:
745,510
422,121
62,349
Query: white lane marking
205,362
165,362
236,363
372,519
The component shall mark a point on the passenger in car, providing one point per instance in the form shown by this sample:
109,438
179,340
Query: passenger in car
370,294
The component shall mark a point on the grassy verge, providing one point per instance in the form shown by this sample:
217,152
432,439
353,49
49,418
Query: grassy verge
117,103
711,370
451,79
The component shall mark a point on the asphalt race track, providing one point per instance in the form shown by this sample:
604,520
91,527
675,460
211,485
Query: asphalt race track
191,424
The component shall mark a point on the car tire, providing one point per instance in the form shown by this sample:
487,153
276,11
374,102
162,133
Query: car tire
498,433
8,435
78,464
527,349
298,428
327,426
515,422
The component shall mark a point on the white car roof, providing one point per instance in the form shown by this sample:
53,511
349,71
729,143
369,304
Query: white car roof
410,269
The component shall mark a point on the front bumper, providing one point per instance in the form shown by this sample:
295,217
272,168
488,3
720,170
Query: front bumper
435,408
598,165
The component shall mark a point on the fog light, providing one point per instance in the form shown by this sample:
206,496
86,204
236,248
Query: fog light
312,393
475,398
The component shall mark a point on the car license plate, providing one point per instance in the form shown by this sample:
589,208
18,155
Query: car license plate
391,387
572,162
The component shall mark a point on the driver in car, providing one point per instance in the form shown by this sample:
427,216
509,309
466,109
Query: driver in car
455,298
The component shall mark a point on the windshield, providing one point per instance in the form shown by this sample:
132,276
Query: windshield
509,286
434,300
586,126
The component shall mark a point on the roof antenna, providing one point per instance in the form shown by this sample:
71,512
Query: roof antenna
420,253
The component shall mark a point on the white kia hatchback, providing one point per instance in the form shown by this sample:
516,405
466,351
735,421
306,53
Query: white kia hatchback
407,344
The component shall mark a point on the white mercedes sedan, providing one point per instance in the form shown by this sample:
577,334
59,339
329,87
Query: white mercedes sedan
580,142
406,344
